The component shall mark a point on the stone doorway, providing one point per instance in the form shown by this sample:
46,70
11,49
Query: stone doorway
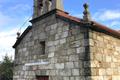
42,78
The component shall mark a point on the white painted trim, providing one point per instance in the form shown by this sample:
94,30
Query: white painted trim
36,63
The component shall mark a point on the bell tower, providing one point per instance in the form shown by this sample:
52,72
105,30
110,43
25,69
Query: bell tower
43,6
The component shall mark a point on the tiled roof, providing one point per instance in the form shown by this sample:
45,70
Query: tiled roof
66,15
95,26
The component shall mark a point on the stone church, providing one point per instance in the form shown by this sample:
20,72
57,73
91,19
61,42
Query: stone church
62,47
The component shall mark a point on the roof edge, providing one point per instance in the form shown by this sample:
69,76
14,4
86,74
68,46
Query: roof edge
94,25
47,14
22,36
104,29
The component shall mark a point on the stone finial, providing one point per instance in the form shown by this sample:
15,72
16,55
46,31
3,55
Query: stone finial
87,16
18,35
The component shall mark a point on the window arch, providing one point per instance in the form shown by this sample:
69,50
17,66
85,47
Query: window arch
40,7
48,4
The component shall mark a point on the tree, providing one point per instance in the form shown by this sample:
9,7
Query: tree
6,69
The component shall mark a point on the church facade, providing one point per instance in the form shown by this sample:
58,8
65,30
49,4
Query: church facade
61,47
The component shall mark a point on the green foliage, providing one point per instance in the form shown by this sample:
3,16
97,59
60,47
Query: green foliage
6,69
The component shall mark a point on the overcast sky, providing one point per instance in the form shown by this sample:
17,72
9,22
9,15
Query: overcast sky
13,14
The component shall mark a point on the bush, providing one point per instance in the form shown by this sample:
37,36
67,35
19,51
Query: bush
6,69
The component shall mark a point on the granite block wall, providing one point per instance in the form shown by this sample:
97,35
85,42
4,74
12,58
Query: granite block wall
65,51
72,52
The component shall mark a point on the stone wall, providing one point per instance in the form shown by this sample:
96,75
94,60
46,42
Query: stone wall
72,52
65,55
105,56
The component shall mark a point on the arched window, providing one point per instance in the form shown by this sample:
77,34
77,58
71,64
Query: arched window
48,6
40,4
40,7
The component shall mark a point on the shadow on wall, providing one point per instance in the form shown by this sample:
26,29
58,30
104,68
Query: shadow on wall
86,64
2,77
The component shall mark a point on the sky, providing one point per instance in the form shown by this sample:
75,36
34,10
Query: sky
15,15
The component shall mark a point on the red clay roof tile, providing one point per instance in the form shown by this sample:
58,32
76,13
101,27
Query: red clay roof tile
96,25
